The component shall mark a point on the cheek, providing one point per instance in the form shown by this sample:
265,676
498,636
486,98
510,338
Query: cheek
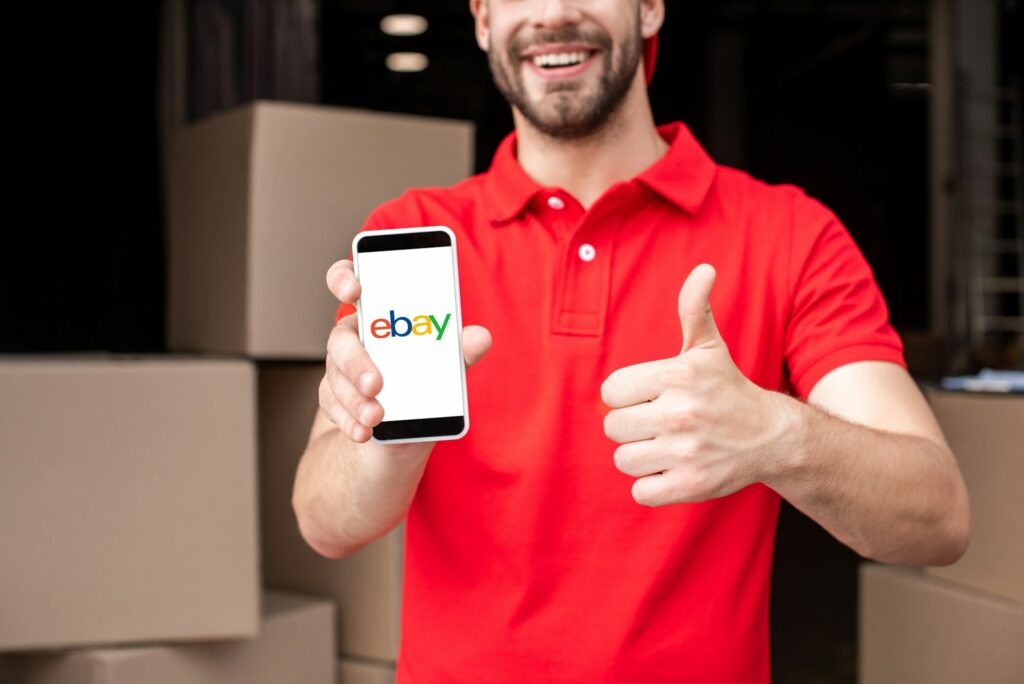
500,30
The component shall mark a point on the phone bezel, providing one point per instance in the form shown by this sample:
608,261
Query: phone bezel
393,239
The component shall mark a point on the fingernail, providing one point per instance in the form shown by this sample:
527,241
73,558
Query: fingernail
365,381
364,414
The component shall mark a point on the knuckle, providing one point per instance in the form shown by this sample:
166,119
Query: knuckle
358,407
694,485
341,404
356,432
677,417
685,451
334,339
349,426
697,446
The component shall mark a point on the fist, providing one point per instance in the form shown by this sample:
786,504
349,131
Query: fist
690,427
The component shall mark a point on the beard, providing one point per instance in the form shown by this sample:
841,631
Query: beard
565,111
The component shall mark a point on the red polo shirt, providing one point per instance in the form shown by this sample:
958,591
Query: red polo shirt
526,557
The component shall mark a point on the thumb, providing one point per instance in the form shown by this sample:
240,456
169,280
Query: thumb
695,309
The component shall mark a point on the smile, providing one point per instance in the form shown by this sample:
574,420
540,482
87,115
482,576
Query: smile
561,61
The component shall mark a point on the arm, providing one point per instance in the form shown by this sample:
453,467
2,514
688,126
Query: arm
348,493
877,474
348,489
867,461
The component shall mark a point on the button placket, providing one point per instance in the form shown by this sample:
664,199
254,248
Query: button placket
584,283
582,291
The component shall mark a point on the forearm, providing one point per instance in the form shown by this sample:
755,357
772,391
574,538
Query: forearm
892,497
347,494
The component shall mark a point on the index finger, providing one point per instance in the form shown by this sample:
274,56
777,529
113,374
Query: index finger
342,282
635,384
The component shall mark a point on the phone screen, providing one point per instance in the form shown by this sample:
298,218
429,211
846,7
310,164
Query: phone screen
410,325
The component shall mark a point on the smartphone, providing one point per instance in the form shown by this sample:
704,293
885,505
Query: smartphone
410,322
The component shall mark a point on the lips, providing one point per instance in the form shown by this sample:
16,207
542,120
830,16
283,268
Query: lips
559,61
548,60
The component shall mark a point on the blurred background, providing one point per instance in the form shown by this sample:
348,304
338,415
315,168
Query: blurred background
132,122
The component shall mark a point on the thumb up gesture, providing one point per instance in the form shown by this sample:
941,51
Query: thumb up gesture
695,317
692,427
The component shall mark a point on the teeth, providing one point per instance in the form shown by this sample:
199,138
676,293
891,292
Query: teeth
556,59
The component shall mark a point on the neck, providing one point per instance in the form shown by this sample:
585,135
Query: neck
626,145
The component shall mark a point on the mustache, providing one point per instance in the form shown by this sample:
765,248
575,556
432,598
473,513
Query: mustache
567,34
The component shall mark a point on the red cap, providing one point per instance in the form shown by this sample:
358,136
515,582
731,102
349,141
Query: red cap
650,56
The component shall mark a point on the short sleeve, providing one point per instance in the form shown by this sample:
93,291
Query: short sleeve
837,312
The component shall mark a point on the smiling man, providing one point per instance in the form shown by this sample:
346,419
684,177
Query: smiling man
611,515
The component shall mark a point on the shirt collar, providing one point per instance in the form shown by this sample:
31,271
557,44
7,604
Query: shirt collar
685,173
682,176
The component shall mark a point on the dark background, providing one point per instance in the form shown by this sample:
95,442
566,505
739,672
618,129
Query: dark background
82,265
85,270
827,100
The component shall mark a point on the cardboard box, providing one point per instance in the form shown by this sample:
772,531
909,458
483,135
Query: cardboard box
365,585
295,644
918,628
263,199
127,501
364,672
986,432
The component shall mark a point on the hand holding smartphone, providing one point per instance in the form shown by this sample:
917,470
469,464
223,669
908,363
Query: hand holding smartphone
398,368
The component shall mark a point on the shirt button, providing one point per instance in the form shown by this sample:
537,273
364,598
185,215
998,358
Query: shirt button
587,252
556,202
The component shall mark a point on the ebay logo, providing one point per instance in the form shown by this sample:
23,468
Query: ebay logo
419,325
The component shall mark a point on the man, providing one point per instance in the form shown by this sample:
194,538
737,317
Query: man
610,516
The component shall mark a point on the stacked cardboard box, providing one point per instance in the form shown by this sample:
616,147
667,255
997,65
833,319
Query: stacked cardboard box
360,672
265,198
295,644
986,432
964,622
366,585
127,486
127,501
918,628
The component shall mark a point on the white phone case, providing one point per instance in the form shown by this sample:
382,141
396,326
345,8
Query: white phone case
458,323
